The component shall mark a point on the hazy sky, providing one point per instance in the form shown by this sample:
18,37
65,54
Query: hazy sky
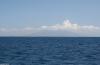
28,17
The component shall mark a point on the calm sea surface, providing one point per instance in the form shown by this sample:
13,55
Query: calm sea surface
49,51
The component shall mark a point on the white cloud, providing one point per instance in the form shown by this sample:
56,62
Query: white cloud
65,27
2,30
16,31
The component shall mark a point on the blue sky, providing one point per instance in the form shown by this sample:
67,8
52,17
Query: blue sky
22,14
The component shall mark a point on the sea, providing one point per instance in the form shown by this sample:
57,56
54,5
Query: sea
49,51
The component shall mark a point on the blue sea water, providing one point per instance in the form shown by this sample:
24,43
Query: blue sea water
50,50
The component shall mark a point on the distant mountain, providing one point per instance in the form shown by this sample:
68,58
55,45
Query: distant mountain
56,33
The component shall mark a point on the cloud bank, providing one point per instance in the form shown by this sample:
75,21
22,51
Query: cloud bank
67,25
63,29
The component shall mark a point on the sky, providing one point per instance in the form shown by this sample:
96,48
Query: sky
49,18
